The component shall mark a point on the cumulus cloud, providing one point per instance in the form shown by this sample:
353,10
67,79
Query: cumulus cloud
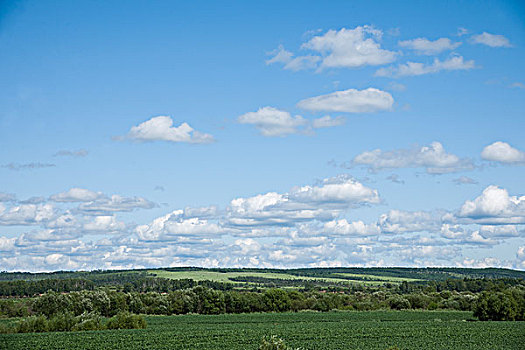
502,152
26,214
492,40
423,46
344,48
305,203
462,236
494,206
161,129
106,224
433,158
350,101
305,226
76,195
354,228
350,48
399,221
273,122
417,68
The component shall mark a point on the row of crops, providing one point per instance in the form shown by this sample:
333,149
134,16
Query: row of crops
309,330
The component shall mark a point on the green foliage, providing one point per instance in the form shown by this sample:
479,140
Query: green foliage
65,322
276,300
273,343
500,306
398,302
126,320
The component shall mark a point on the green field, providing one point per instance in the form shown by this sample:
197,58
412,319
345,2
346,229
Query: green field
310,330
206,275
378,278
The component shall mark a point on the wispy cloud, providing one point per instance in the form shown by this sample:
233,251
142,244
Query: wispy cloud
492,40
25,166
417,68
350,101
423,46
71,153
433,158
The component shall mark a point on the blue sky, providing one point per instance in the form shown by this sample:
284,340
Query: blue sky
268,134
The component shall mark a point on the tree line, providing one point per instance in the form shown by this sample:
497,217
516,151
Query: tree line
505,304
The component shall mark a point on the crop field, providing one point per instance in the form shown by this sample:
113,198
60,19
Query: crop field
309,330
205,275
377,278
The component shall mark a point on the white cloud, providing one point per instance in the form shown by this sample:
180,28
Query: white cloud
27,214
281,55
492,40
399,221
461,236
345,228
424,46
433,158
6,244
114,204
323,202
462,31
161,129
76,195
500,231
106,224
328,122
504,153
7,197
335,190
350,48
174,227
416,68
350,101
494,206
464,180
273,122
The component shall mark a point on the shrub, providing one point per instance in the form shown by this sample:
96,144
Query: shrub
126,320
32,324
88,322
496,307
398,302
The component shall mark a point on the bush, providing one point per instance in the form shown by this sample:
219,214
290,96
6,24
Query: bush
126,320
32,324
65,322
496,307
398,302
88,322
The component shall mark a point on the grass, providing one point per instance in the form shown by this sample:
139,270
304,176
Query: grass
374,330
225,276
378,278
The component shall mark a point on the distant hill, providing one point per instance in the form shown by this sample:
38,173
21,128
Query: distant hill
349,273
